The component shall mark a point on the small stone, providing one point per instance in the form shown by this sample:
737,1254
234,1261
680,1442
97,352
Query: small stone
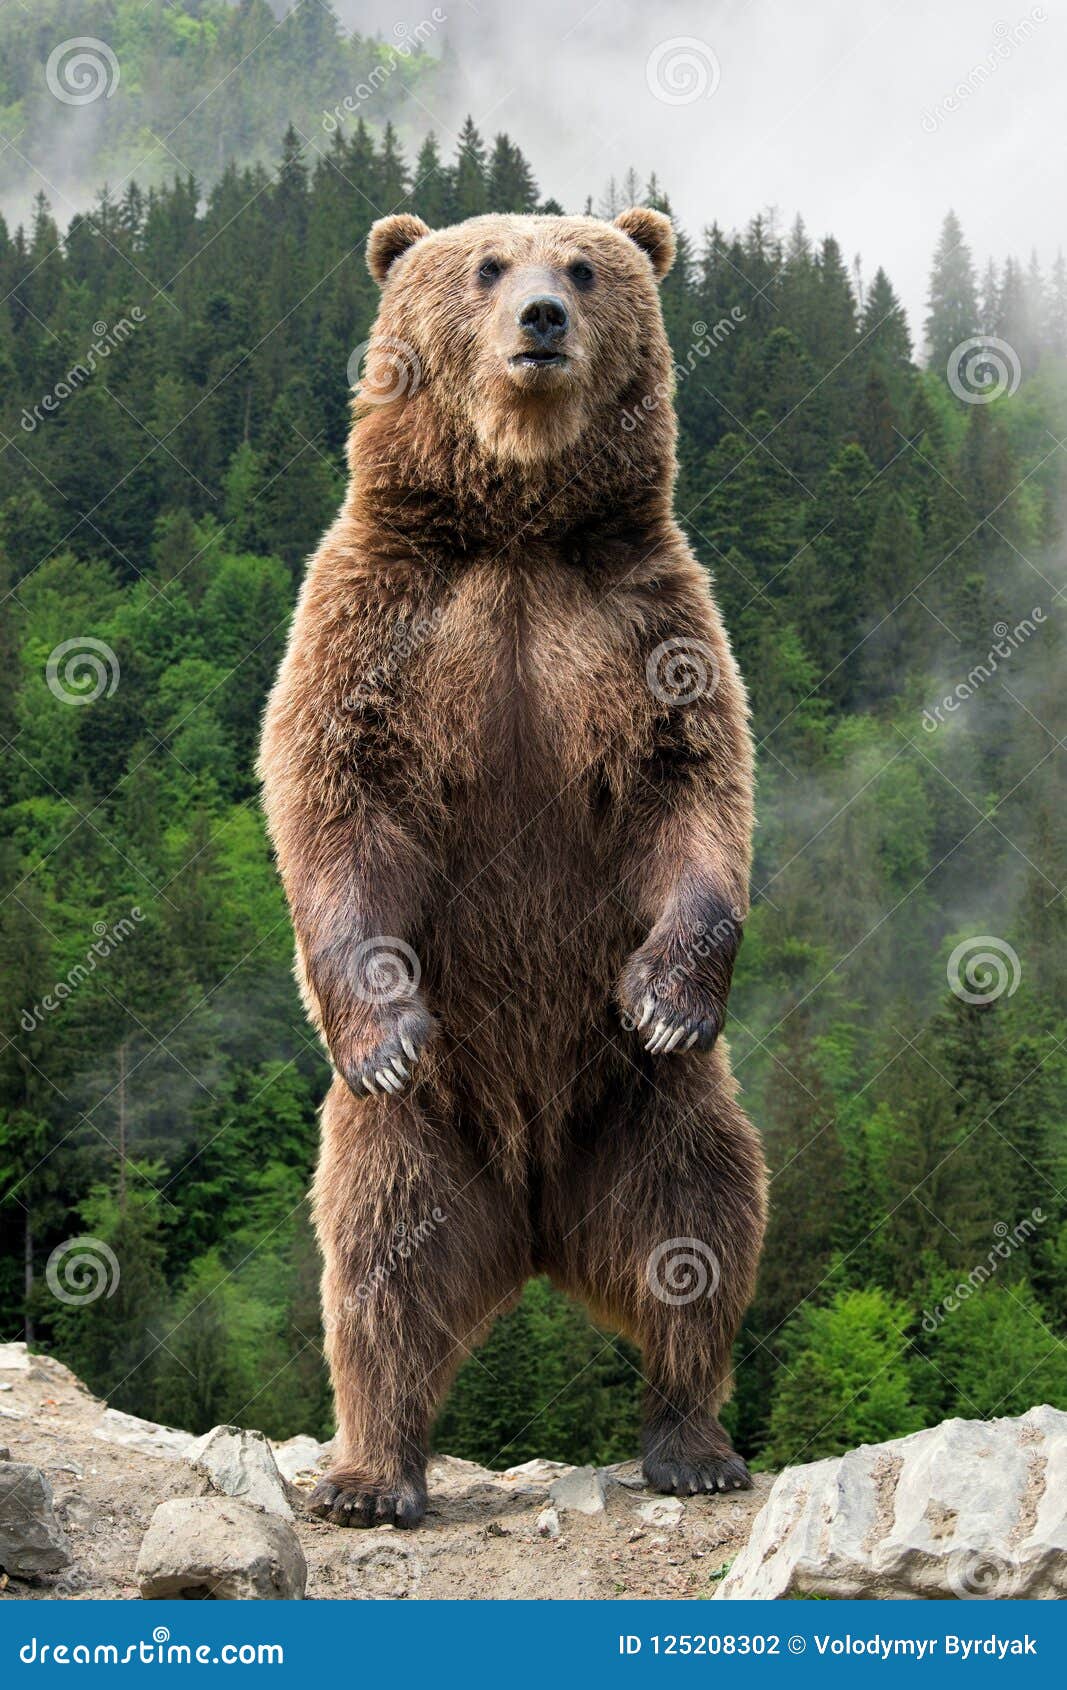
548,1523
31,1539
241,1464
14,1358
581,1491
662,1511
201,1547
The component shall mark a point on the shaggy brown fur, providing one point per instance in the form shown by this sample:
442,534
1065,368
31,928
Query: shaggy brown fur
472,748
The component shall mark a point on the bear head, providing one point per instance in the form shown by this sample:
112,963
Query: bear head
517,338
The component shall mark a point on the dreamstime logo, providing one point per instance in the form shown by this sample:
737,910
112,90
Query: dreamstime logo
383,369
984,968
1008,1240
107,939
107,338
1007,640
81,1270
682,70
982,1574
682,670
82,670
385,969
704,341
983,369
80,70
1006,38
682,1270
408,41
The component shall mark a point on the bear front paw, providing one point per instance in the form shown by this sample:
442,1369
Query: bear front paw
671,1028
381,1059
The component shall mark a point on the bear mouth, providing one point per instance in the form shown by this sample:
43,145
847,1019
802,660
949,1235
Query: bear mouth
539,359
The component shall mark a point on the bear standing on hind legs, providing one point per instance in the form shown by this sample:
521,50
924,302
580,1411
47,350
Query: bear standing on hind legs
508,777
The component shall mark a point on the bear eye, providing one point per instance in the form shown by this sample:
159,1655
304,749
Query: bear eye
490,270
582,273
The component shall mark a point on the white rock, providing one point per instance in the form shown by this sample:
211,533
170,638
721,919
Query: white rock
539,1472
12,1414
581,1490
548,1523
453,1477
302,1455
31,1539
967,1508
241,1464
14,1358
662,1511
213,1547
625,1473
114,1427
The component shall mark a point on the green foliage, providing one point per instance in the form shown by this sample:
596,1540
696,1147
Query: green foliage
845,1379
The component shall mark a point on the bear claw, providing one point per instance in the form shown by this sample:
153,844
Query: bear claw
683,1478
674,1033
344,1503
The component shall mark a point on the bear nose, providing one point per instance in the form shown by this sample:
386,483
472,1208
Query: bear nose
545,316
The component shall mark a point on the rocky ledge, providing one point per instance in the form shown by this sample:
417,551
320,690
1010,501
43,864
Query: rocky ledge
96,1503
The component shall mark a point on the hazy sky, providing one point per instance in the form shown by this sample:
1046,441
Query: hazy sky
833,108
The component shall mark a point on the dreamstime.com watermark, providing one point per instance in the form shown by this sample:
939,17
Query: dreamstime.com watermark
704,943
107,939
406,1240
983,368
682,1270
682,70
384,369
81,670
681,670
81,1270
984,968
1007,37
81,70
407,638
106,338
1007,640
157,1651
704,341
1009,1239
409,40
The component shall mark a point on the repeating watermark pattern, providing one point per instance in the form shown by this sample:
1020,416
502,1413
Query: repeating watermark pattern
82,70
683,1270
1007,640
681,670
1009,1239
409,39
983,1575
408,636
704,341
383,369
81,670
106,338
82,1270
984,968
107,940
385,968
704,943
682,70
982,369
1008,37
406,1240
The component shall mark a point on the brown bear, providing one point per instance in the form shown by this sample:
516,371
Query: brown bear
508,778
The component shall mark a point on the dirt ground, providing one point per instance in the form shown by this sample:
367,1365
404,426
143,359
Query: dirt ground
480,1539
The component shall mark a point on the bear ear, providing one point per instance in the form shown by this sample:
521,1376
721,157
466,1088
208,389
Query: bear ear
388,238
652,232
